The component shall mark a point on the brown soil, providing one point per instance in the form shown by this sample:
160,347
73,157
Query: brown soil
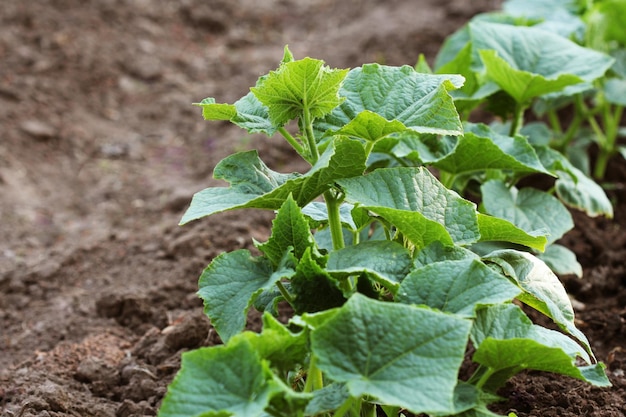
100,152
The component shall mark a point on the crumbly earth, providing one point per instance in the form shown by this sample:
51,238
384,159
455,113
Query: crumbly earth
101,150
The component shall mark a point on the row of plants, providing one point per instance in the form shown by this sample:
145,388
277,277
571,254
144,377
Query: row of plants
409,246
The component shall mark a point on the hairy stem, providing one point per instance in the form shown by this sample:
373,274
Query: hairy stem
310,136
284,293
292,141
334,219
518,119
314,377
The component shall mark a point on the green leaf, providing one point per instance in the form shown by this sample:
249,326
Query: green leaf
475,88
327,399
542,289
216,111
282,348
318,212
371,127
573,187
529,62
290,230
523,85
385,261
562,260
254,185
456,287
220,381
399,354
508,357
508,321
560,17
422,65
314,288
437,252
615,91
299,86
408,196
481,149
495,229
420,102
229,285
529,209
247,112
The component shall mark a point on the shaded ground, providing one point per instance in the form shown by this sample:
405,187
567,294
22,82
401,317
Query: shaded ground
100,152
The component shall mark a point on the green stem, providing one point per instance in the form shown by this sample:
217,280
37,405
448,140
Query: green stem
284,292
555,122
484,378
345,408
518,119
292,141
314,377
334,219
607,147
310,136
368,409
447,179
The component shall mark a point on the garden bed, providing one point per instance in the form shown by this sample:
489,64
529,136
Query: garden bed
101,151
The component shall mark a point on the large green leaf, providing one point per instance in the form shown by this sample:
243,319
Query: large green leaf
229,285
573,187
542,289
254,185
399,354
511,356
508,321
529,209
456,287
220,381
299,86
480,149
290,231
386,262
495,229
403,195
420,102
528,62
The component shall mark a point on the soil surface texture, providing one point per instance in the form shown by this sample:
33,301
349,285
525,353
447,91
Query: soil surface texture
101,151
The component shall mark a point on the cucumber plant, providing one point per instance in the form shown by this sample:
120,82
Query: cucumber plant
392,276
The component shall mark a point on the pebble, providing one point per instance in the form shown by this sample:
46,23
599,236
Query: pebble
39,130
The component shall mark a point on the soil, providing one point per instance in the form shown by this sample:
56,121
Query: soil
101,150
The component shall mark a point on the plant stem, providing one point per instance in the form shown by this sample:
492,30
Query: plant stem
345,408
284,292
447,179
334,219
292,141
310,136
368,409
484,377
518,119
555,123
314,377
